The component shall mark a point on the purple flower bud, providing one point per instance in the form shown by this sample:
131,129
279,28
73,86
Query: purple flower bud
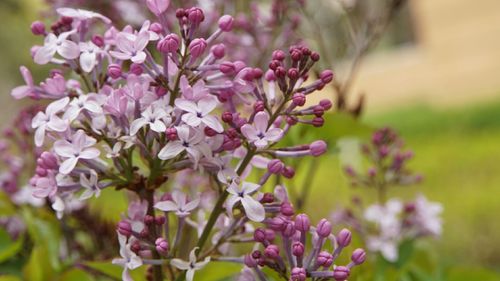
257,73
278,55
156,28
344,237
299,99
227,67
136,69
324,259
114,71
195,15
124,228
239,66
270,76
298,274
293,73
277,223
161,246
49,160
358,256
258,106
157,7
341,273
209,132
286,209
315,56
160,220
267,198
41,172
298,249
135,247
275,166
288,229
272,251
291,120
318,110
280,72
288,172
171,134
324,228
318,122
149,220
326,76
318,148
302,223
98,40
250,261
38,28
169,44
219,51
270,235
259,235
226,23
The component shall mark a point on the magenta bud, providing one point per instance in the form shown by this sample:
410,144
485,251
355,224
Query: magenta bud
358,256
287,209
324,228
318,148
257,73
269,76
227,67
114,71
280,72
49,160
302,223
344,237
136,69
341,273
293,73
326,76
298,249
149,220
135,247
209,132
258,106
299,99
160,220
288,229
41,171
270,235
326,104
288,172
315,56
156,28
272,251
267,198
278,55
171,134
275,166
318,122
162,246
219,51
38,28
249,261
291,120
98,40
298,274
324,259
227,117
226,23
169,44
318,110
259,235
195,15
124,228
157,7
239,66
277,223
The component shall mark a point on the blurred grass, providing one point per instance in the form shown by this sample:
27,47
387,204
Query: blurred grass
458,152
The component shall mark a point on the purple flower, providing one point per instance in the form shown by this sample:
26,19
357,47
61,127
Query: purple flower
190,266
178,204
80,103
197,113
242,193
80,14
88,57
155,116
259,134
91,185
49,120
131,47
157,7
79,148
190,140
25,90
129,260
57,44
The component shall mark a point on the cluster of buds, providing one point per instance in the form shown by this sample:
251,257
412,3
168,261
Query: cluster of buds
388,162
291,260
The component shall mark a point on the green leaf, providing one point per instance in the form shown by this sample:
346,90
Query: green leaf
9,248
467,273
76,275
6,207
38,267
115,271
9,278
405,253
218,271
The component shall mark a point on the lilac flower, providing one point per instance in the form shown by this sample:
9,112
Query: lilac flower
88,57
91,185
131,47
113,152
129,260
55,86
191,266
25,90
259,134
79,148
242,193
49,120
57,44
83,102
427,216
197,113
81,14
190,140
179,204
155,116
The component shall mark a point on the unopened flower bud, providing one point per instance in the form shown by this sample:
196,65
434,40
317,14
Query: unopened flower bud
219,51
326,104
249,261
259,235
162,246
209,132
227,117
278,55
293,73
287,209
124,228
358,256
272,251
302,223
171,134
341,273
288,172
315,56
324,259
288,229
298,249
318,110
324,228
277,223
270,76
149,220
98,40
136,69
114,71
299,99
326,76
49,160
298,274
291,120
195,15
226,23
267,198
318,148
318,122
344,237
156,28
227,67
197,47
275,166
169,44
258,106
257,73
160,220
38,28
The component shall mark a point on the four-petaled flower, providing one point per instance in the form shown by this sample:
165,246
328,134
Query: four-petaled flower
57,44
190,266
79,148
154,116
49,120
179,204
190,141
131,47
259,134
129,260
91,185
253,208
80,103
197,113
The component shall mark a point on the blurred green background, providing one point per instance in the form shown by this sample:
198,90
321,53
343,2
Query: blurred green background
452,124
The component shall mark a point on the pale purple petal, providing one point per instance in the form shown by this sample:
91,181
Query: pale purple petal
68,165
186,105
206,105
253,209
180,264
158,126
191,119
90,153
57,124
261,121
44,54
120,55
136,125
57,106
142,41
212,122
21,92
39,135
166,206
249,132
69,50
140,57
87,61
274,134
171,150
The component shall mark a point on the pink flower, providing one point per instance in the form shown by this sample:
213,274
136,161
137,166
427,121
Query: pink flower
79,104
88,58
131,47
25,90
81,14
78,148
154,116
259,134
57,44
49,120
190,266
253,209
179,204
189,141
129,260
55,86
91,185
157,7
197,113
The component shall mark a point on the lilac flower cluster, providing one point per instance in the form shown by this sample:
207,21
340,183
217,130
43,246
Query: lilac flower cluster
151,107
